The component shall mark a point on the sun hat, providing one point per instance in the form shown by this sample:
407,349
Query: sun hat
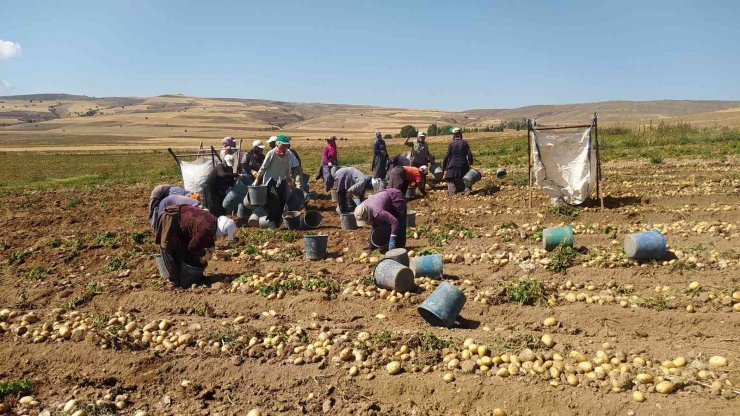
272,139
282,139
258,143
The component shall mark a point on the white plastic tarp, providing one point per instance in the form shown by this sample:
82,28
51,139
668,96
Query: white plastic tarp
564,166
195,174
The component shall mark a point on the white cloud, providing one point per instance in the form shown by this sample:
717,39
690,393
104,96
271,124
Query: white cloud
9,49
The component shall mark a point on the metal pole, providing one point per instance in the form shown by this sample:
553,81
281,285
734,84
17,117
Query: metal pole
529,159
599,184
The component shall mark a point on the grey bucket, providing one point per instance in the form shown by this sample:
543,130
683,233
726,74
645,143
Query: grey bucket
254,218
257,195
381,235
334,195
437,171
400,255
315,246
392,275
296,199
411,219
266,223
312,219
471,177
160,266
292,220
500,172
443,306
190,275
348,221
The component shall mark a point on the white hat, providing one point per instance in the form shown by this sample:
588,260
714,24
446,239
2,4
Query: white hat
423,169
456,130
272,139
421,134
226,227
258,143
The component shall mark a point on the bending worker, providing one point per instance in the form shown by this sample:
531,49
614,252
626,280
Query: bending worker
159,193
351,182
386,208
401,177
173,200
187,234
420,154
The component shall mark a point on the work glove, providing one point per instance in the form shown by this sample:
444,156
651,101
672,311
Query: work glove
392,242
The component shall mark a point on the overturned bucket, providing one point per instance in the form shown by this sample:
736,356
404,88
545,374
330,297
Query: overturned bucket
267,223
315,246
392,275
190,275
348,221
236,195
554,236
292,220
443,306
647,245
400,255
160,266
296,199
471,177
437,171
242,211
427,266
254,218
411,219
500,172
257,195
312,219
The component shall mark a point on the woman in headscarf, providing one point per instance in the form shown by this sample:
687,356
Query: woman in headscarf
254,158
173,200
420,154
159,193
380,156
328,161
228,152
386,208
275,173
187,234
457,163
401,177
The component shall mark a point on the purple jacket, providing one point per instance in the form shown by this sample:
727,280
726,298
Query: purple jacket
172,200
386,206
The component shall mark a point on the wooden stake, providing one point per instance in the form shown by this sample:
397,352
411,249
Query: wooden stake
529,159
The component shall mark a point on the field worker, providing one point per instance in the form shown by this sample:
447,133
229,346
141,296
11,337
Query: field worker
159,193
385,208
397,160
380,156
173,200
328,161
457,163
401,177
228,151
419,154
296,170
254,158
275,173
187,234
352,183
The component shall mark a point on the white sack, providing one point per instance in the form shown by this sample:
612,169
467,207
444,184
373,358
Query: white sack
564,166
195,174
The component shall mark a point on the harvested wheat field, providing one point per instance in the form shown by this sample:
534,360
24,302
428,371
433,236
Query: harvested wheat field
87,326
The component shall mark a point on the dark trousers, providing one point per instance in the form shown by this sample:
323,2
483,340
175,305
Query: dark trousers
276,198
397,179
455,185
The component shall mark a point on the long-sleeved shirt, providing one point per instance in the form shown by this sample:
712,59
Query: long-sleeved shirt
172,200
329,155
351,180
253,160
458,157
275,166
420,154
386,206
294,161
198,229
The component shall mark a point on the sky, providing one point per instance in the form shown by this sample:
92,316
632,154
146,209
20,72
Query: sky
452,55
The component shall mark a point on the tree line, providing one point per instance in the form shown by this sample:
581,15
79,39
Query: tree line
435,130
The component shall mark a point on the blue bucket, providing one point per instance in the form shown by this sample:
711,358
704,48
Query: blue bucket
296,199
316,246
443,306
400,255
160,266
190,275
236,195
647,245
392,275
312,219
554,236
429,266
471,178
242,211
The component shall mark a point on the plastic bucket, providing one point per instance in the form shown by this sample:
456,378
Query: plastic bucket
254,218
296,199
160,266
348,221
312,219
392,275
411,192
257,195
381,235
266,223
190,275
437,171
647,245
411,219
315,246
334,195
471,178
400,255
443,306
292,220
242,211
429,266
500,172
555,236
